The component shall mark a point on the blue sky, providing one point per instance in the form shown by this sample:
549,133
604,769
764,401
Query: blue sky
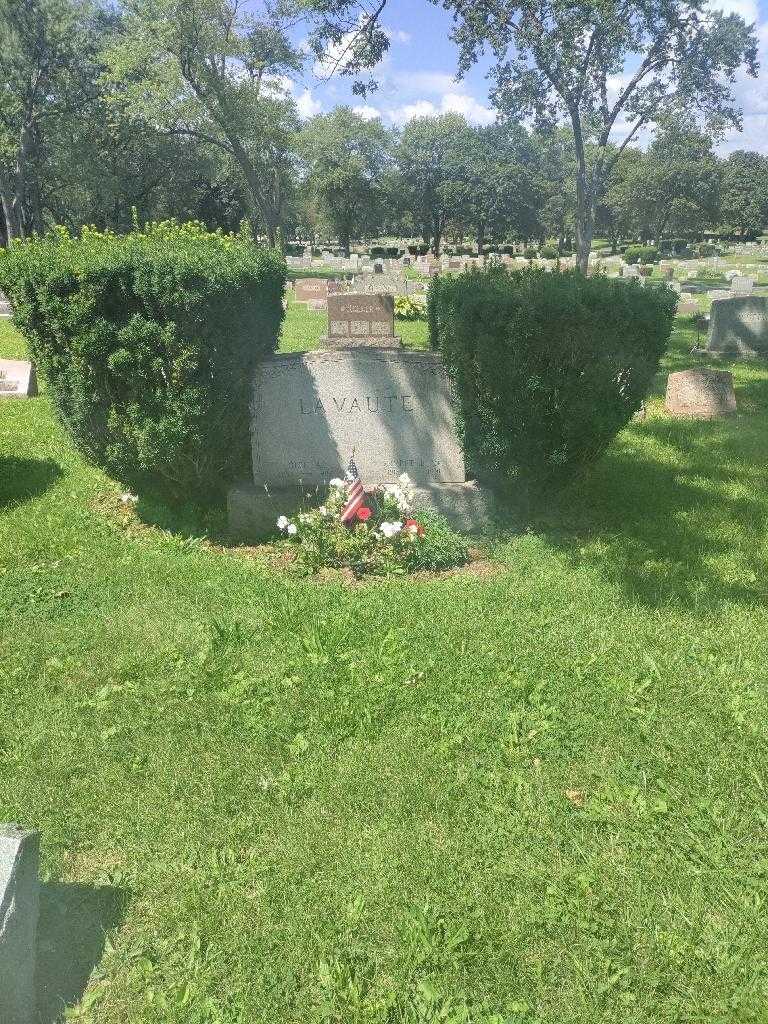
416,77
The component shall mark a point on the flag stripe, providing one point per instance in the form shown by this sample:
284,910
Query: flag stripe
354,501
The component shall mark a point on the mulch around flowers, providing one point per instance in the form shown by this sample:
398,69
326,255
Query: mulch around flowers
123,516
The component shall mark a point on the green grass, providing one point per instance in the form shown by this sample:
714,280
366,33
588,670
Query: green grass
535,795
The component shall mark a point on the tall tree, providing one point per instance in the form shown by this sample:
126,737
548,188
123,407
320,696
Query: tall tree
345,158
744,201
677,183
434,156
601,66
47,48
216,70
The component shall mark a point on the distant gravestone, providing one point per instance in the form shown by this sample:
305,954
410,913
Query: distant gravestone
742,285
630,270
739,327
700,394
5,306
312,290
357,319
389,284
378,266
19,906
17,379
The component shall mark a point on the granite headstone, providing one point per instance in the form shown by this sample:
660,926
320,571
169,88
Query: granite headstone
739,327
17,379
19,906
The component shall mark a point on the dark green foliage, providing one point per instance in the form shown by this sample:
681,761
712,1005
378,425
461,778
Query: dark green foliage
641,254
705,249
148,342
547,367
549,252
530,253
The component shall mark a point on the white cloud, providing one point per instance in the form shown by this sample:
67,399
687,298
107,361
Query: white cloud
398,36
458,103
435,82
748,9
307,105
450,103
421,108
366,112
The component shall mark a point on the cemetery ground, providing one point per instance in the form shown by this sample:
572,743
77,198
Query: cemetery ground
537,795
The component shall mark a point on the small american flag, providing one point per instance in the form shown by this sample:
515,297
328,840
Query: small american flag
355,494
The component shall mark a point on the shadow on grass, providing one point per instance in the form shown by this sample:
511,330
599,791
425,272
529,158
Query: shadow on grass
22,479
72,927
677,513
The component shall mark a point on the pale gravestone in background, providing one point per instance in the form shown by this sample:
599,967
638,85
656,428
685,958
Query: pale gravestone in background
742,285
17,379
312,410
356,320
5,306
739,327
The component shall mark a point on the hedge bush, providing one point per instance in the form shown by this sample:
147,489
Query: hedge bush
547,367
549,252
148,342
641,254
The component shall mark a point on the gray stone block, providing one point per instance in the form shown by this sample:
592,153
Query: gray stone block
19,905
739,327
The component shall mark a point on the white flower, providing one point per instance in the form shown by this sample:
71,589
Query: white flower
405,480
390,529
291,529
323,510
282,522
128,498
337,483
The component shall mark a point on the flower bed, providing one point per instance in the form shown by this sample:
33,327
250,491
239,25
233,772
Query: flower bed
388,533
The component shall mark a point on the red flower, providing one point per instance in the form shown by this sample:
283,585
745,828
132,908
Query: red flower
364,513
412,522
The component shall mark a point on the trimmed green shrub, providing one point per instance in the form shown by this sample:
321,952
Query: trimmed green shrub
547,368
149,342
705,249
549,252
530,253
641,254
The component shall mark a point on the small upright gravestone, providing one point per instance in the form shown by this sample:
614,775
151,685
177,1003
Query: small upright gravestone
700,394
312,290
19,905
739,327
356,320
17,379
742,285
5,306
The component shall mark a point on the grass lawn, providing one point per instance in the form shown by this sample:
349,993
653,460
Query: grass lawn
535,795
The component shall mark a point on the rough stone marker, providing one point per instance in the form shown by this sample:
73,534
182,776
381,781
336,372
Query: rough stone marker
19,905
17,379
700,394
356,320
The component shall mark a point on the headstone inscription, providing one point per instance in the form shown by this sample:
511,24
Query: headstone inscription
17,379
356,319
311,410
739,327
19,906
700,394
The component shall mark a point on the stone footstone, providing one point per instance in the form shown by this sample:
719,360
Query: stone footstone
700,394
17,379
253,510
19,905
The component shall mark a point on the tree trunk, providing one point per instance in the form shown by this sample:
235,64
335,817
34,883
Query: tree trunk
437,234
